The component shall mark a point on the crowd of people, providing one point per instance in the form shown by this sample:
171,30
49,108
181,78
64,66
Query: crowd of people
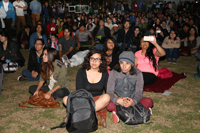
113,34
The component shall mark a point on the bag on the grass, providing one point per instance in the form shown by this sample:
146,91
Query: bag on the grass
185,51
81,114
40,101
133,115
10,67
165,73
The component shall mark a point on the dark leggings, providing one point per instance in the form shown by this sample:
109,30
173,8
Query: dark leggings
60,93
149,78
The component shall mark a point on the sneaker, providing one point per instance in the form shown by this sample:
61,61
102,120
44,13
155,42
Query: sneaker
22,78
101,121
66,61
174,61
169,61
115,117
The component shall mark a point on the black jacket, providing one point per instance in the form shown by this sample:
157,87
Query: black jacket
124,37
49,10
33,63
106,32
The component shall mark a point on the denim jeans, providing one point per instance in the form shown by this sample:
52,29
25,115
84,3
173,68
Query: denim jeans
96,11
99,46
45,19
28,74
197,54
172,53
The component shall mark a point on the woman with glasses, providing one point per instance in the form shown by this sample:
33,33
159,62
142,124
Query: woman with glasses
54,73
39,34
93,77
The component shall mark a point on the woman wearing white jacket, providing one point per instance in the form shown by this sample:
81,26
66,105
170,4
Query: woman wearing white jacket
2,16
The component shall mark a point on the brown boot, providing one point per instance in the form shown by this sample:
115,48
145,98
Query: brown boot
101,121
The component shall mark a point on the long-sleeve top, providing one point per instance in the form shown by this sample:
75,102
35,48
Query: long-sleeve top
10,52
35,6
59,75
2,16
95,89
138,86
167,43
11,11
34,37
124,37
33,63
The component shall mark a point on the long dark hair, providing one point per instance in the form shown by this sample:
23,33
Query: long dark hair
151,56
196,35
103,65
175,32
132,70
136,39
48,66
42,32
116,47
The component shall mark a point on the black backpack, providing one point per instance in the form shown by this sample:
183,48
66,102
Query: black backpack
133,115
81,114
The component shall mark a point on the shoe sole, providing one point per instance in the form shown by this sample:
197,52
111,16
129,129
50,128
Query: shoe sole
115,117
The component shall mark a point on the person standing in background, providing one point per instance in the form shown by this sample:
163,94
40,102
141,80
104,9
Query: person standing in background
2,16
36,9
25,11
10,15
19,8
46,12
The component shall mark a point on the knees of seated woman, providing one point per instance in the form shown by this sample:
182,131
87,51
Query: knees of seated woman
102,102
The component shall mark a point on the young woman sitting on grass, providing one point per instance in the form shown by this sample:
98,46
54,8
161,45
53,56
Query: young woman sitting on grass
54,73
126,69
147,60
112,51
93,77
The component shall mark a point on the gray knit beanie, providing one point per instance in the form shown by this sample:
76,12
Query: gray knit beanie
127,56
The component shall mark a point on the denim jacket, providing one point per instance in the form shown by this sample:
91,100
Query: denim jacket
11,11
34,37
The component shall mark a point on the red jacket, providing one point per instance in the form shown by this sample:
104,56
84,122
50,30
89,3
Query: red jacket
135,7
52,28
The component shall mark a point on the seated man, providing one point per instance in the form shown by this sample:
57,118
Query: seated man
66,43
100,33
34,63
82,38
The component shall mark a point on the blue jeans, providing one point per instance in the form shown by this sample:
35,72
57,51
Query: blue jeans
45,19
28,74
99,46
197,54
96,11
172,53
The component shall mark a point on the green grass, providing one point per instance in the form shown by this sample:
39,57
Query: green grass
176,113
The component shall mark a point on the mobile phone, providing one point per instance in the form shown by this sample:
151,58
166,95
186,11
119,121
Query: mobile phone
158,31
148,38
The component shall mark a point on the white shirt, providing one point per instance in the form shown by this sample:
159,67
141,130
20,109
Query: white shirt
52,82
19,11
5,6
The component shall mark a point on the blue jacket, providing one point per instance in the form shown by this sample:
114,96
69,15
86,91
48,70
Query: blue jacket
34,37
11,11
35,6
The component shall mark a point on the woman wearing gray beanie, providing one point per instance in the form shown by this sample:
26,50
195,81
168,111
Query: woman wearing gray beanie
127,74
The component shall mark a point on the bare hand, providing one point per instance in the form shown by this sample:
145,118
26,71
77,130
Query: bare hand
47,95
34,74
79,44
3,58
120,101
154,42
36,93
127,102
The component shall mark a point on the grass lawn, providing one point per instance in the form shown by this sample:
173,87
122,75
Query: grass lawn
178,112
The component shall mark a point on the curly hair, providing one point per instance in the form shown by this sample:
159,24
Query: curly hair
103,65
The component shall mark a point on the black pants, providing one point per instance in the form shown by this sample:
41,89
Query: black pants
60,93
149,78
